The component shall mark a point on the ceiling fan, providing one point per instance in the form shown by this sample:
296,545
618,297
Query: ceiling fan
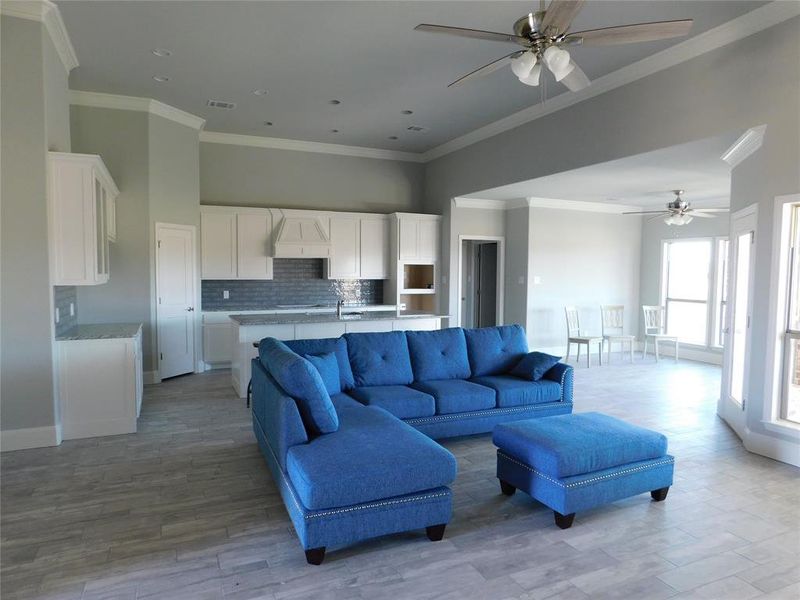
679,211
543,36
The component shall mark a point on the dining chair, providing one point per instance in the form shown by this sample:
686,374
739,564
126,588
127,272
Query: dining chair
612,329
654,328
576,336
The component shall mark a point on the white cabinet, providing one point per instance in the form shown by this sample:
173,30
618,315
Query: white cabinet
345,261
235,243
110,202
99,386
80,194
408,234
218,340
374,248
428,240
418,238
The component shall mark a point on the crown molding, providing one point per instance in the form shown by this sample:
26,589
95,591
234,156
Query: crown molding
215,137
148,105
741,27
480,203
45,12
749,142
596,207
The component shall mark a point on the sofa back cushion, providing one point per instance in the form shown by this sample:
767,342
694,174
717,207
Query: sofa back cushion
324,346
301,380
379,358
328,369
495,350
438,354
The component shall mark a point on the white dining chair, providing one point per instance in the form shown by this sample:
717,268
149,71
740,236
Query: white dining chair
654,328
612,328
576,336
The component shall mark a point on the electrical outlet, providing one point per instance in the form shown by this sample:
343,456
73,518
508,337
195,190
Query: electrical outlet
58,315
402,306
521,280
537,280
71,309
444,279
226,295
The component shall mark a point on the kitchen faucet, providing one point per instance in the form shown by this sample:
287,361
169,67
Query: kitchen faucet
339,306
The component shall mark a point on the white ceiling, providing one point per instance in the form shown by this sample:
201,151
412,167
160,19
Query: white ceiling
365,54
644,180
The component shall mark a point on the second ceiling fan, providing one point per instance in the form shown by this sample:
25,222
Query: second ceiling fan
543,36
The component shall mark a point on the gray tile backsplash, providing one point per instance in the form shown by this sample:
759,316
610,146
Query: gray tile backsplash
295,281
63,295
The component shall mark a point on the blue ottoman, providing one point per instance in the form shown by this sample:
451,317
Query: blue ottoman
581,461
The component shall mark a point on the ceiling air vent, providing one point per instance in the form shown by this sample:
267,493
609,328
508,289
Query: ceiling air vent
221,104
417,129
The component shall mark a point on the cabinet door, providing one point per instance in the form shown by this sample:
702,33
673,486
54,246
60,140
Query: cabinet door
218,343
253,235
374,249
101,237
428,240
111,215
345,261
409,238
218,245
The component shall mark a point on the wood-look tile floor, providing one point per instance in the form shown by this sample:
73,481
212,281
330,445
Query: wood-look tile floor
186,509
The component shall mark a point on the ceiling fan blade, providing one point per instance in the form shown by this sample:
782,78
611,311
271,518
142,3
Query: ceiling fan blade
648,212
629,34
478,34
576,80
486,69
711,210
654,217
559,15
694,213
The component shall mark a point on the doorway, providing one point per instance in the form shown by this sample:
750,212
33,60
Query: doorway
175,299
480,282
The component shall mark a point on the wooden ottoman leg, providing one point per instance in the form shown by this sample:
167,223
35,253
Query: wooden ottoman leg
564,521
315,556
659,494
435,532
507,488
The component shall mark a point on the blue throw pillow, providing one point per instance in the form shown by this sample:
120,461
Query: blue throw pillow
300,380
534,365
328,368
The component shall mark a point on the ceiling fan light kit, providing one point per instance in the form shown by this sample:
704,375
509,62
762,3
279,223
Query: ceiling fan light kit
679,211
543,34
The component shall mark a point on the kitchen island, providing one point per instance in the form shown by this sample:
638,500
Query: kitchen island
250,328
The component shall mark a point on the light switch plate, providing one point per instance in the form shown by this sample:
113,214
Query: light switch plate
521,280
537,280
226,295
58,315
71,309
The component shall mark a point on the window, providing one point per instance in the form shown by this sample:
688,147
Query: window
791,362
686,289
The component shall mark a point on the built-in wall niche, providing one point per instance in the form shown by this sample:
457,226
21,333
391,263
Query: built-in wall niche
419,279
419,302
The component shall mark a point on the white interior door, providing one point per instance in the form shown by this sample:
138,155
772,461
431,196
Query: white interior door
175,289
735,375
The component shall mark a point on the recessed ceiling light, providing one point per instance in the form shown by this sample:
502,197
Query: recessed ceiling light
334,102
268,123
393,137
160,78
260,92
407,112
161,52
334,131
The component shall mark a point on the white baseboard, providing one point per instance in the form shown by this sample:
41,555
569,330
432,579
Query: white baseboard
118,426
151,377
782,450
32,437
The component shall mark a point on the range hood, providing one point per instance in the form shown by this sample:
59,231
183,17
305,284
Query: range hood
302,237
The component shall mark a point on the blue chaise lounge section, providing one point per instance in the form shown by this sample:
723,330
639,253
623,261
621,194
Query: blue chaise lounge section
380,471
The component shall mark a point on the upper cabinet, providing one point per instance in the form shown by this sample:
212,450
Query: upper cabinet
418,238
235,242
81,197
374,249
359,247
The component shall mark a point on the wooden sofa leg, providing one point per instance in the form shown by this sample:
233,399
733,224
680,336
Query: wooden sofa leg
435,532
659,494
507,488
315,556
564,521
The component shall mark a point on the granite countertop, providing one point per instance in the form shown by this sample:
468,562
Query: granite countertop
103,331
296,318
303,309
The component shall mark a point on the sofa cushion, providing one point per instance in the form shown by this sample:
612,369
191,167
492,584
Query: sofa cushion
373,456
495,350
440,354
301,380
534,365
457,395
323,346
328,368
342,401
513,391
401,401
379,358
567,445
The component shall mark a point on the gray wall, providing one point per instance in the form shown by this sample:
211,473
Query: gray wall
583,259
750,82
248,176
32,121
517,266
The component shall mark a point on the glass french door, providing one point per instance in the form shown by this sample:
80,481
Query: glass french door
733,400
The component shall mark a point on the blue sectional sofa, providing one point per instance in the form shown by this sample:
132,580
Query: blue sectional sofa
346,425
